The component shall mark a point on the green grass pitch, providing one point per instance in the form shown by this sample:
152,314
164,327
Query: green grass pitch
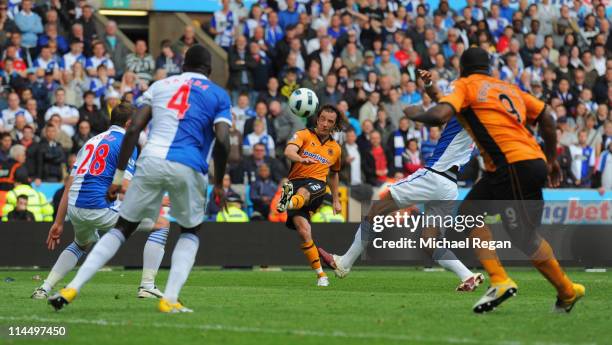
372,306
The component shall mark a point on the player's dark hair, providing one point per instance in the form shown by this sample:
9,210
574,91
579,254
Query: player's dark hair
475,60
341,120
198,60
121,114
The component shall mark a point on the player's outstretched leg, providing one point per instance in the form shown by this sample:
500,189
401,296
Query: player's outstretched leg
342,264
183,258
67,260
310,249
101,253
152,256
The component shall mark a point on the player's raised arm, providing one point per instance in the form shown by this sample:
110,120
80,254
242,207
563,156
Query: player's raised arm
445,109
138,122
292,151
430,88
548,130
436,116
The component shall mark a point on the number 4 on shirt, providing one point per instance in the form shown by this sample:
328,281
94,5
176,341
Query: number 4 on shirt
180,101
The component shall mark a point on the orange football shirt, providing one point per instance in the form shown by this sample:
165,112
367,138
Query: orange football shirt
495,114
327,155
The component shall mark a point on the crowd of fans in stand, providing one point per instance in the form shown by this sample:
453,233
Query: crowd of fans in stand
61,75
363,57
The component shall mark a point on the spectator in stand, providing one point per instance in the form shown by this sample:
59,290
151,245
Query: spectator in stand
370,108
285,124
62,138
258,136
21,213
29,23
100,84
583,160
37,202
12,112
7,25
13,166
17,131
78,82
412,157
606,135
352,58
99,58
261,113
51,34
74,55
116,49
386,67
68,113
169,60
251,164
47,63
289,16
564,157
5,145
428,146
329,94
83,134
222,26
140,62
214,204
241,64
112,99
261,69
262,191
91,113
383,124
241,112
351,174
186,41
87,21
604,170
374,161
50,156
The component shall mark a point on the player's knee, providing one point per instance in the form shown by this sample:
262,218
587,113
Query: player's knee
193,230
303,229
304,193
126,227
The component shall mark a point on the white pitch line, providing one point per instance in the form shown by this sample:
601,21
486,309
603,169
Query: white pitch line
298,332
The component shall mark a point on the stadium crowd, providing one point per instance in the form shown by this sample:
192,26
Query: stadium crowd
61,76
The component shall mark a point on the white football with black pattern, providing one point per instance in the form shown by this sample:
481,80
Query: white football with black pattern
303,102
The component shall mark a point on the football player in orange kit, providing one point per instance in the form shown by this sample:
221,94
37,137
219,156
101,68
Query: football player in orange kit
495,114
313,153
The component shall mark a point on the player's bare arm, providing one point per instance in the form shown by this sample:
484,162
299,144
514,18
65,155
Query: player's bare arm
334,181
430,88
139,121
549,134
220,155
292,153
53,239
436,116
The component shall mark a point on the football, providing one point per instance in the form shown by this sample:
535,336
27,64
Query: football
303,102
